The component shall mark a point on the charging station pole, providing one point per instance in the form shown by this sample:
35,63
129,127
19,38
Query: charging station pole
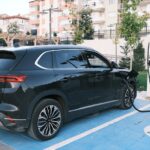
148,74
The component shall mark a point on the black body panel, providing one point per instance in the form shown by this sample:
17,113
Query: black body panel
78,86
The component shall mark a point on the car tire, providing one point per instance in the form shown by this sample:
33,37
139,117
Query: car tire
125,98
47,119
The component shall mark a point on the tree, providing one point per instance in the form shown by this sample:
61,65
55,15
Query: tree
77,36
131,25
139,58
125,60
83,26
13,28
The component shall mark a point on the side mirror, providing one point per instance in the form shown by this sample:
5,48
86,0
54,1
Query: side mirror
114,65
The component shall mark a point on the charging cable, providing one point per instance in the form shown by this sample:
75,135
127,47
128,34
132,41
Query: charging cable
130,93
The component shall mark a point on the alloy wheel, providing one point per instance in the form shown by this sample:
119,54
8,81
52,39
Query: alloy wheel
49,120
128,97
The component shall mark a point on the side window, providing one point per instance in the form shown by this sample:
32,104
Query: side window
95,61
45,61
70,59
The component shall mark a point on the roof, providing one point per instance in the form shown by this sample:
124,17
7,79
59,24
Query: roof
31,1
45,47
53,47
5,17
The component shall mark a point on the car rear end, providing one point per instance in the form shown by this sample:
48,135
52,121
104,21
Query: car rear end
10,85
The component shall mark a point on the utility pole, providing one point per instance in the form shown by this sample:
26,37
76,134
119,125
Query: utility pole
50,11
50,24
148,74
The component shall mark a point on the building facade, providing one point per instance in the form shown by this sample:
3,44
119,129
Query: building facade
22,22
60,20
105,15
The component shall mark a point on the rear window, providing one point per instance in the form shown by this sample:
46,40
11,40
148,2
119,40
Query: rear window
7,60
45,61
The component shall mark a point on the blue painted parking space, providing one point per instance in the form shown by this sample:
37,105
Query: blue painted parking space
110,129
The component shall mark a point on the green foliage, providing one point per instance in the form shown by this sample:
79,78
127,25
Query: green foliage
139,58
13,28
83,26
142,81
77,37
131,24
125,60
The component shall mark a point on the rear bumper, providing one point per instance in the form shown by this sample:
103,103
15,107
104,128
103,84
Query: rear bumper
6,113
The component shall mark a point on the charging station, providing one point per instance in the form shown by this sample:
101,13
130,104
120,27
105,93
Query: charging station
148,68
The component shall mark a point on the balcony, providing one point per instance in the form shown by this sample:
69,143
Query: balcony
98,20
98,8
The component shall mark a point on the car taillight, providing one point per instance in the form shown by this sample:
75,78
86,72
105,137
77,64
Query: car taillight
12,78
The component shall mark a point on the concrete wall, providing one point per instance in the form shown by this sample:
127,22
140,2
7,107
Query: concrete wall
107,46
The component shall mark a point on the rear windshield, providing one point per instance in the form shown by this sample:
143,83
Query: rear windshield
7,60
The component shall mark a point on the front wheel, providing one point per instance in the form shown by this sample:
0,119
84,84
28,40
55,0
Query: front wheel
46,120
127,97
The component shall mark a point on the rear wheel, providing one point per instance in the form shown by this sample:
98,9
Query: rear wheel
46,120
127,96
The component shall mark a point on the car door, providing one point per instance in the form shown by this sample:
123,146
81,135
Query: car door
100,71
71,79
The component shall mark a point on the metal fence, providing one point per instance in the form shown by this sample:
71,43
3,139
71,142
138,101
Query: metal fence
105,34
111,33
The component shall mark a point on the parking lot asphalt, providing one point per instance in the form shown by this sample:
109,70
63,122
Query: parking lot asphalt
112,129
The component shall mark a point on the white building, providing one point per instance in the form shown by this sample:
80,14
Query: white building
22,22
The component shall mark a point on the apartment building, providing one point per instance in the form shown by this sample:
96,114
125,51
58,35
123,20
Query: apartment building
105,15
22,22
60,16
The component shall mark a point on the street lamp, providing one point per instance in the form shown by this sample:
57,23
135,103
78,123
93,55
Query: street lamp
49,11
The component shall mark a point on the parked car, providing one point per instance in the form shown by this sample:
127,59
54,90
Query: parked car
43,87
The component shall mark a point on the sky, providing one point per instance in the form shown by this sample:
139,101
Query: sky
14,7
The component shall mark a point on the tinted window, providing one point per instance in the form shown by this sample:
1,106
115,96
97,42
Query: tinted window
7,60
46,60
70,59
95,60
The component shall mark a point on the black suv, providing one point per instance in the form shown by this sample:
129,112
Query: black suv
45,86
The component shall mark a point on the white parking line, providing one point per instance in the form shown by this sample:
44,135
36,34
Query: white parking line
93,130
